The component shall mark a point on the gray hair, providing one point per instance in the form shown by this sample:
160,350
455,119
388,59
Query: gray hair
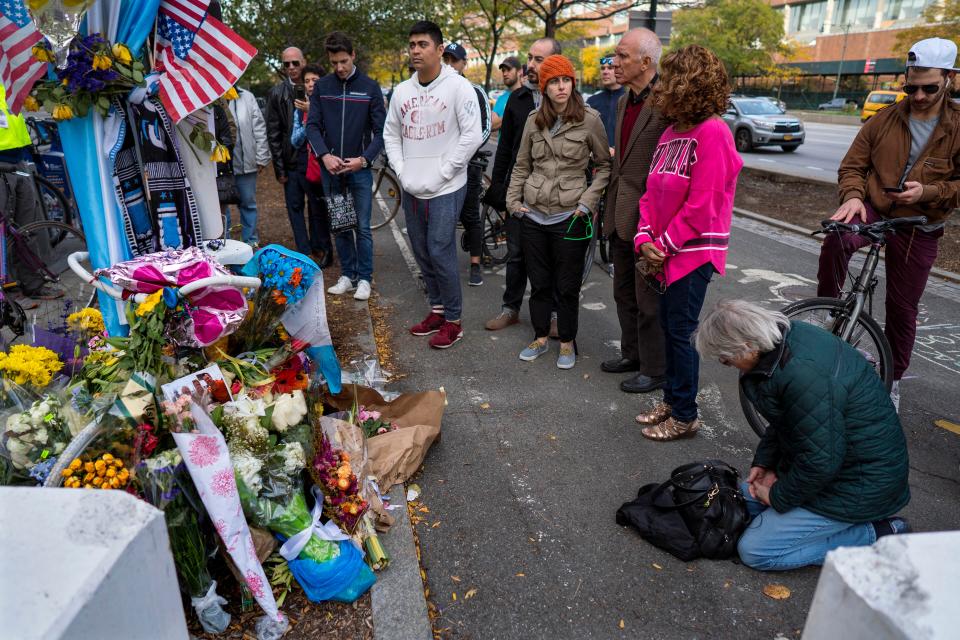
736,327
647,43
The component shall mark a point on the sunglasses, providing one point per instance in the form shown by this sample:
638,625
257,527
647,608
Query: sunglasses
929,89
606,60
291,63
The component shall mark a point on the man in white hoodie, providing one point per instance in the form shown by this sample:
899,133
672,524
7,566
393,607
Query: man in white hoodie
432,130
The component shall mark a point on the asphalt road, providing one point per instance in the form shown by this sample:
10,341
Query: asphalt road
520,540
818,158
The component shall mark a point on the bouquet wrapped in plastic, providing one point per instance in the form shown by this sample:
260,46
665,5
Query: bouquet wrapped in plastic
167,486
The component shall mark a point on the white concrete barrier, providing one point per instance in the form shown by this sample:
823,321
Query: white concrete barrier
79,564
903,587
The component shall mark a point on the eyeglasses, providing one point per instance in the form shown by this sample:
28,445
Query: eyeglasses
588,224
929,89
291,63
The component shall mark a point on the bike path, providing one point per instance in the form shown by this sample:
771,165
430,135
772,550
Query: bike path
523,488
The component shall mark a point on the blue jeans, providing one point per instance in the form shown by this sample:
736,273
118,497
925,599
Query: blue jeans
432,229
355,247
295,190
780,541
247,188
679,317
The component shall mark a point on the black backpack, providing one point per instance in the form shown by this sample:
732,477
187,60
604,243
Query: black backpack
698,512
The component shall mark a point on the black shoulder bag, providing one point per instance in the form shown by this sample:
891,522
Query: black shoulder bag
698,512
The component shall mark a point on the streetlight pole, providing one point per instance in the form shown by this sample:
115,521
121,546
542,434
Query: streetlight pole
843,53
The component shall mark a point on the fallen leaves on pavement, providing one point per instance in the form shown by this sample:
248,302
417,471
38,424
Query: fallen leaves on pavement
776,591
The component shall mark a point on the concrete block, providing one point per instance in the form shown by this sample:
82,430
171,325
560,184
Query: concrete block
84,564
903,587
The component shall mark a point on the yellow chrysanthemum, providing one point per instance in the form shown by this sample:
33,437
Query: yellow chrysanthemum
102,62
31,104
148,305
42,53
62,112
231,94
87,321
25,364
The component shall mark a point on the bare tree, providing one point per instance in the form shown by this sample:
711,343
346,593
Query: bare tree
481,23
557,13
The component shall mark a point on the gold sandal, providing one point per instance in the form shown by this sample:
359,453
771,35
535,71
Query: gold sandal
671,429
660,413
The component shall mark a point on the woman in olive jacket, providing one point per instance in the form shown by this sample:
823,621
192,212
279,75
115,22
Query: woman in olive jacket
831,469
549,191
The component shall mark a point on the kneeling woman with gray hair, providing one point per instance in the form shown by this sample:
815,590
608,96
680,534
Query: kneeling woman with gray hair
831,470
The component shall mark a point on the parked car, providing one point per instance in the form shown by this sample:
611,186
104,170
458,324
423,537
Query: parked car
756,122
837,104
877,100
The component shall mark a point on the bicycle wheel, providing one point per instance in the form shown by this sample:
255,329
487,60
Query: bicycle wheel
494,235
48,244
56,207
387,198
833,315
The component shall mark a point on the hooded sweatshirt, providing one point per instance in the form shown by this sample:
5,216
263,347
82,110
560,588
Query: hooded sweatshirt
432,132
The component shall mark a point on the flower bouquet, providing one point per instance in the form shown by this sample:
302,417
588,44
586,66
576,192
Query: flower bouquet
285,277
342,501
163,479
372,423
33,367
35,436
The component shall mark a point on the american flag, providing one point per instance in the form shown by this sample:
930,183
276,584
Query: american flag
19,70
201,57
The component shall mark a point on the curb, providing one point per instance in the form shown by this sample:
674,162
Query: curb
399,608
783,177
949,276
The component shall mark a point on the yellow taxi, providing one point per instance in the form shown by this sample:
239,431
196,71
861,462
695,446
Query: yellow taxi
878,100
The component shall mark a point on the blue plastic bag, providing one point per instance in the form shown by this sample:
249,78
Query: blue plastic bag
343,579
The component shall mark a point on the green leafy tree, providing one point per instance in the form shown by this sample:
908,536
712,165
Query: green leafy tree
378,29
480,24
939,20
745,34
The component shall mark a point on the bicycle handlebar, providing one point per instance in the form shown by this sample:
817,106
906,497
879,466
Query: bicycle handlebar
872,230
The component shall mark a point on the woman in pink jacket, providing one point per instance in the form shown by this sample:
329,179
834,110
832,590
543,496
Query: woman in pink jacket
684,224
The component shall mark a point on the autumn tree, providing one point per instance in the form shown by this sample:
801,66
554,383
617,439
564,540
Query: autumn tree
746,35
480,24
938,20
554,14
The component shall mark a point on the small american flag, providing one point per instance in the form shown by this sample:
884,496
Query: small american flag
19,70
201,57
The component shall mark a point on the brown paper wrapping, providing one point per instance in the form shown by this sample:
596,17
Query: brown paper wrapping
395,456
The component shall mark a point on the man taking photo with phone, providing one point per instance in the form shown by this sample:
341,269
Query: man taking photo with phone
904,162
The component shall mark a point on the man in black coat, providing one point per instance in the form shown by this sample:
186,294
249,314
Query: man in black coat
279,114
519,105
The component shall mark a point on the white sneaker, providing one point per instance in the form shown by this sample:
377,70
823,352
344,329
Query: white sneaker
343,285
895,395
363,291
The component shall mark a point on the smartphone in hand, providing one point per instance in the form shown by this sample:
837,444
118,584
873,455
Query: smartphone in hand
299,92
897,189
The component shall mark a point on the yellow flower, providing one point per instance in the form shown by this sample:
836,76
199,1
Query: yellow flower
31,104
88,467
102,62
62,112
107,457
41,52
220,154
36,5
86,321
76,464
101,466
148,305
122,53
111,473
231,94
66,473
97,482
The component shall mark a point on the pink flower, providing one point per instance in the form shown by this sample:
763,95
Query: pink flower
381,430
255,583
223,483
204,451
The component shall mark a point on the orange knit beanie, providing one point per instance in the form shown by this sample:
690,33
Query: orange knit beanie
554,67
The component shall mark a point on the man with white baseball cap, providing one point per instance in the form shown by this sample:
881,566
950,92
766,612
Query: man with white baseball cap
904,162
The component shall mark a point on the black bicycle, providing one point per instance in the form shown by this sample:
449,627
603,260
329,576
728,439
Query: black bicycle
55,205
493,222
851,316
597,250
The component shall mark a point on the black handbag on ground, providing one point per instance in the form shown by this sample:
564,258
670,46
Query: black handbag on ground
342,210
698,512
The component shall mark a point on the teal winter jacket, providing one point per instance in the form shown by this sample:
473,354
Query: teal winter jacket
835,440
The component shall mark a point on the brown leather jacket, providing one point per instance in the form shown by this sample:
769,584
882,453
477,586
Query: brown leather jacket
550,174
879,154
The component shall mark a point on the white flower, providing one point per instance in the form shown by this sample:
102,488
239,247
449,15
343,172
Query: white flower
288,410
294,459
248,468
17,424
245,406
168,458
40,436
18,453
58,448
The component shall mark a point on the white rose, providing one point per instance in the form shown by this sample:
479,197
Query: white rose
40,437
17,424
288,410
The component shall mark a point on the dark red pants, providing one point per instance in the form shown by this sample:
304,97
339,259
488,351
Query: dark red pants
909,256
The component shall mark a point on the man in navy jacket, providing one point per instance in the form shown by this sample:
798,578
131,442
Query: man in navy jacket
345,131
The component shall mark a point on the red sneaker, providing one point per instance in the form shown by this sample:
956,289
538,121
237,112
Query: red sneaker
449,334
431,324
